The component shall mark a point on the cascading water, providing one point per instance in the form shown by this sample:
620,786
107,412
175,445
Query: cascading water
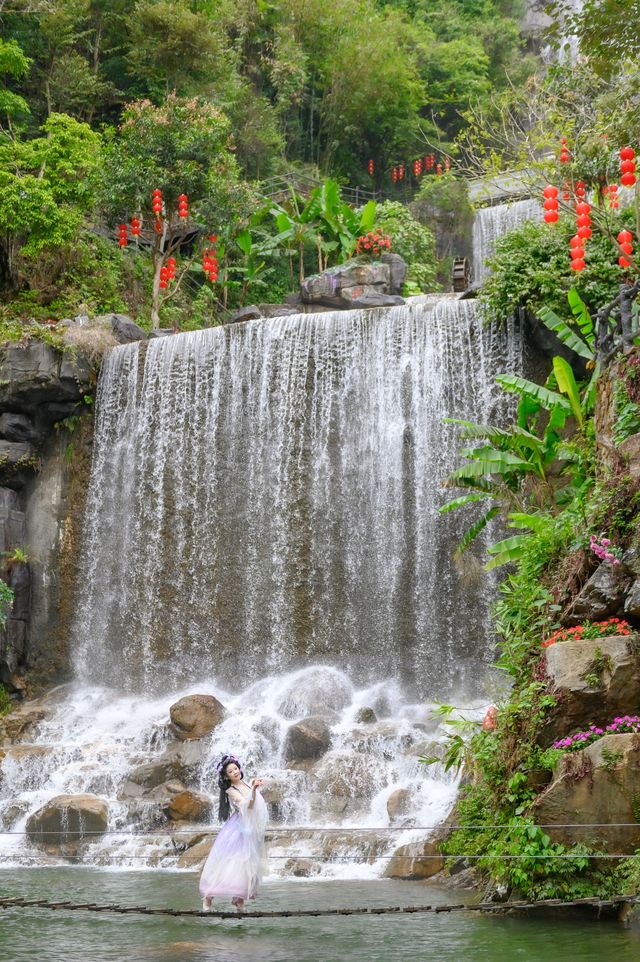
491,223
267,494
262,525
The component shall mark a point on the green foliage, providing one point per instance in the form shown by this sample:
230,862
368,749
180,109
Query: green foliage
46,187
531,269
413,241
627,420
6,601
13,63
6,705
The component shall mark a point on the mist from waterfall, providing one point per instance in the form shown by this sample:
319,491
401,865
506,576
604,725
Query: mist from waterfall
265,496
491,223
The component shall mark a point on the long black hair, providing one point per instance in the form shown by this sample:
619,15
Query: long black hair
224,807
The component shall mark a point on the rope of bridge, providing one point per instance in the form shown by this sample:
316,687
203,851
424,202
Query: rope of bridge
490,907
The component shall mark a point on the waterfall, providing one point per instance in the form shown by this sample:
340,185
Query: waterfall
265,495
262,525
490,223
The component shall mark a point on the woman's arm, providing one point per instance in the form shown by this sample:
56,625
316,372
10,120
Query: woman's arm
255,785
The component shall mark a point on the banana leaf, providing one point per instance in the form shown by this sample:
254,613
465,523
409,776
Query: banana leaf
562,330
475,530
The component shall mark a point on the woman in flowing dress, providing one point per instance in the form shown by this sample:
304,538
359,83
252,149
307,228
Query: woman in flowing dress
235,864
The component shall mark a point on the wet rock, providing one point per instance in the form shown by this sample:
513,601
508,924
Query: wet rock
630,450
594,680
161,332
181,762
417,860
595,788
124,329
196,855
366,716
315,691
35,374
363,298
21,722
397,271
196,716
18,427
69,818
602,596
307,739
344,773
189,806
301,867
250,313
398,803
277,310
632,601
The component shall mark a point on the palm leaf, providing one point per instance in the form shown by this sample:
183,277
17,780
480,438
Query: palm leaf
476,528
562,330
581,313
567,385
520,385
507,551
465,499
532,522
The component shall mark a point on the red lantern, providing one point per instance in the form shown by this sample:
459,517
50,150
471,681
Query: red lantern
623,262
627,167
627,153
122,235
551,216
583,208
394,175
490,718
565,156
371,168
579,188
183,206
625,236
550,203
439,170
550,191
578,265
401,172
584,232
583,220
135,226
628,179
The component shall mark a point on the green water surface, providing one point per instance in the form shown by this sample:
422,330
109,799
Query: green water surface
40,935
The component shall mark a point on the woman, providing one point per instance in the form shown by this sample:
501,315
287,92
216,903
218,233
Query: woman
235,863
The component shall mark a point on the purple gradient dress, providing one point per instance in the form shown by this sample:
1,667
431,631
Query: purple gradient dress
235,864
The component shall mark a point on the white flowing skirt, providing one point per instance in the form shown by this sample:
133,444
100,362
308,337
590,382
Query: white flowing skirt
235,864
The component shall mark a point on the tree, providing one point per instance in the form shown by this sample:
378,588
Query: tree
413,241
180,147
13,63
46,189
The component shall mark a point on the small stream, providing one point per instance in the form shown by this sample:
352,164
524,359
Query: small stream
32,935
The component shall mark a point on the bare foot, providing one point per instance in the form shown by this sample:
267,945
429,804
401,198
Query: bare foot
207,905
239,904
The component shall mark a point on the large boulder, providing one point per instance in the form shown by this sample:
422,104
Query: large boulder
189,806
397,271
124,329
602,596
593,679
315,691
306,740
354,285
181,762
196,716
417,860
398,803
69,819
34,374
599,788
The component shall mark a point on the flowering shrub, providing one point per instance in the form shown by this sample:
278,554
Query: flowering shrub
596,629
601,547
374,243
623,725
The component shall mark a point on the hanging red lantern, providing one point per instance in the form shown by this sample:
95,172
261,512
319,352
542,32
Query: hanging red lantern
171,268
627,167
625,236
578,264
183,206
371,168
584,232
135,226
401,172
550,191
394,175
122,235
439,170
565,156
583,208
628,179
579,188
627,153
551,216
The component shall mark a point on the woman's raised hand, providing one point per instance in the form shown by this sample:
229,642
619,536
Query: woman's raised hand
256,783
